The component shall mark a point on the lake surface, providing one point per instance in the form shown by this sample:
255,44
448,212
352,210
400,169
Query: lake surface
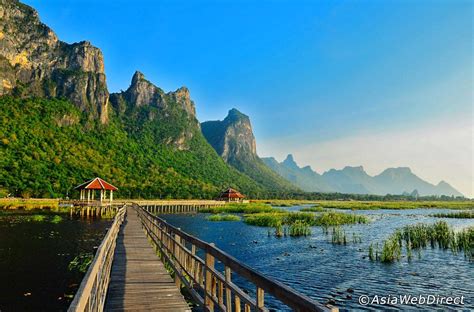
323,271
34,259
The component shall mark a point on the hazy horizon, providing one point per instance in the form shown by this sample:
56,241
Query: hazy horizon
336,83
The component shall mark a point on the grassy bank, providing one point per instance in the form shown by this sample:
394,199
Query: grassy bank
30,203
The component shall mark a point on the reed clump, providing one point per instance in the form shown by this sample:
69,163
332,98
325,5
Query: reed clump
314,209
299,228
456,215
223,217
420,236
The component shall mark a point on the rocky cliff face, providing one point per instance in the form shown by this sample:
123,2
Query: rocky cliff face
233,140
233,137
172,114
34,62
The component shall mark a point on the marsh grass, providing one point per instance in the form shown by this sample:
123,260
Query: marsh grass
299,228
374,205
339,236
314,209
241,208
223,217
331,218
28,204
420,236
457,215
285,202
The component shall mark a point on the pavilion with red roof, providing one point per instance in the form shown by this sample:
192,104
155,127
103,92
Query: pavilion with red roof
88,189
231,195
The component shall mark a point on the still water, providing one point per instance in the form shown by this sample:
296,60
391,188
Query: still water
34,258
341,274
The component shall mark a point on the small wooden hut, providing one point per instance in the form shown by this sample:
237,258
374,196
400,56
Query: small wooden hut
231,195
88,189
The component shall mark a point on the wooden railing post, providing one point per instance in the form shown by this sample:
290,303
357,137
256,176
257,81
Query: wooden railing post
177,256
260,299
209,282
228,293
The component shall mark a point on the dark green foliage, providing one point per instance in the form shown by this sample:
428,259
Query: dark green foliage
49,146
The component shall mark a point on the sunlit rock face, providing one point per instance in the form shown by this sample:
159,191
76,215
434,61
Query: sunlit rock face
147,103
33,61
232,138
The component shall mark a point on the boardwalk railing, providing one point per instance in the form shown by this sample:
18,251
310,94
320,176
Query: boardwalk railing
93,288
212,289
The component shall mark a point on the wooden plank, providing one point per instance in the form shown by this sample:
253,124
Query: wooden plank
139,281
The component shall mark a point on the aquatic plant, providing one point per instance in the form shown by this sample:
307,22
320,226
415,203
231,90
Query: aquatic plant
81,262
457,215
313,209
56,219
223,217
270,219
391,250
333,218
420,236
37,218
299,228
241,208
339,236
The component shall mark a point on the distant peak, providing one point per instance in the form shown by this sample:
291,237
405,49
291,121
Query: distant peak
137,76
356,168
290,161
398,170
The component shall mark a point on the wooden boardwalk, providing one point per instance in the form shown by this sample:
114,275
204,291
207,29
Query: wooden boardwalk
139,281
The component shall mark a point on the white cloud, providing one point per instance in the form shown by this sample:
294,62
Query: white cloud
441,150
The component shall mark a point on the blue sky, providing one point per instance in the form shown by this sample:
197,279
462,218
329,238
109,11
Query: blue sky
308,73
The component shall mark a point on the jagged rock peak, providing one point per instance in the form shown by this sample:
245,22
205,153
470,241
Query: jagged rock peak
137,77
232,138
183,98
142,92
235,115
290,161
34,62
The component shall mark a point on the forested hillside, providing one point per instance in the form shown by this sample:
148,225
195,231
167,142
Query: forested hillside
48,146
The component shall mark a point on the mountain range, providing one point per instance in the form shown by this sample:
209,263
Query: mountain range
354,180
61,126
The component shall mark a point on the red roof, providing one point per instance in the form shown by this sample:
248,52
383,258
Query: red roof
231,193
96,184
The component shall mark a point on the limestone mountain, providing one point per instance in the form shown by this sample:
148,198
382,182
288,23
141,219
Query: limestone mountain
355,180
170,116
399,180
233,140
305,178
33,61
148,142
